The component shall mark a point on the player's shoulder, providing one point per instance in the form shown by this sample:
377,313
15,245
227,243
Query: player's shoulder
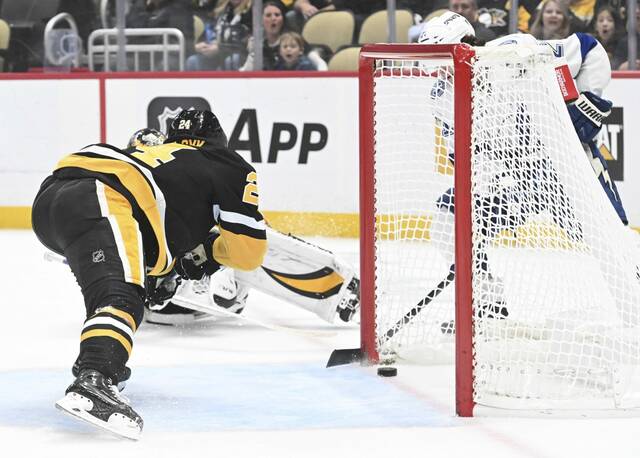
101,149
225,156
513,39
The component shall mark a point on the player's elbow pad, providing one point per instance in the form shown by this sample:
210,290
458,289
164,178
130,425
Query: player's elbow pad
587,114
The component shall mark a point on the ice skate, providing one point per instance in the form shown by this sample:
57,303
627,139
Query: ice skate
93,398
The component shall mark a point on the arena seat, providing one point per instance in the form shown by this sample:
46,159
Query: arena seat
375,27
330,28
5,37
345,60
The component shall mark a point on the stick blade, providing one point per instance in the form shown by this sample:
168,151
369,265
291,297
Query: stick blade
345,356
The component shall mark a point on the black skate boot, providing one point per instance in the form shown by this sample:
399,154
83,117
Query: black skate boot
93,398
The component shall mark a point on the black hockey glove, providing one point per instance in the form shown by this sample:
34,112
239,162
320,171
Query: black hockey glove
198,262
159,290
587,114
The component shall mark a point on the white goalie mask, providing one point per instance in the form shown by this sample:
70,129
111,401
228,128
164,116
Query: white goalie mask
448,28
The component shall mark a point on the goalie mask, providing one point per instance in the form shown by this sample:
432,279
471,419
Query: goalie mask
146,137
448,28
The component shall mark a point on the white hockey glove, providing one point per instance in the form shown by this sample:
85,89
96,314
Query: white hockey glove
587,114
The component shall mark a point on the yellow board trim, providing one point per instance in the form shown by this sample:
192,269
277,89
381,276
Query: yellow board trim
15,217
316,224
107,333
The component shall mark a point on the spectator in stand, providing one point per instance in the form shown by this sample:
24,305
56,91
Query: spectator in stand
495,15
223,45
552,21
621,53
273,12
292,55
162,14
469,9
576,24
583,10
607,29
304,9
206,49
233,29
618,5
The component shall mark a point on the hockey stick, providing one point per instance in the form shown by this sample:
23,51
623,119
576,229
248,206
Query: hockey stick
192,305
353,355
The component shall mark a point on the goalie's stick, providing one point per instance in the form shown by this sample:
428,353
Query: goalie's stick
353,355
218,311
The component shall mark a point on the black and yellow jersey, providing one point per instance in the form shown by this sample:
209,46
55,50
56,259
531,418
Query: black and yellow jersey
177,193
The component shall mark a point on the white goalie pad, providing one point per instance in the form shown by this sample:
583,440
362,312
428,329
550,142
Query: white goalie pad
304,275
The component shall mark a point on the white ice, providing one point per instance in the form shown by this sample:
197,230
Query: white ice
232,389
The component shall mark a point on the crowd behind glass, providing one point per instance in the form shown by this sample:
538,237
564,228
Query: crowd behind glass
221,36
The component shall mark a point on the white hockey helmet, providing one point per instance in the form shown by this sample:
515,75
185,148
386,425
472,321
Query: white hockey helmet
448,28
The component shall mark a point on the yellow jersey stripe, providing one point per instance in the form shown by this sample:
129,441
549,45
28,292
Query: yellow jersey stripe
239,251
120,209
107,333
132,179
120,314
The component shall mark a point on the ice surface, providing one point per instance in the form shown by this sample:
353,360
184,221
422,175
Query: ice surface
232,389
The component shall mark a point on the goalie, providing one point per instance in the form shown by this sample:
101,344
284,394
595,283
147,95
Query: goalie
589,67
293,270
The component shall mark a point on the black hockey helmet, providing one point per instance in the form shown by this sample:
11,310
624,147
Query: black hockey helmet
146,137
200,124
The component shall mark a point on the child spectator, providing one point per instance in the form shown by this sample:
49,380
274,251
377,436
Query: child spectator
607,28
552,21
292,55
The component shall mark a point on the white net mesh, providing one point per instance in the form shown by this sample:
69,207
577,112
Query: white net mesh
555,281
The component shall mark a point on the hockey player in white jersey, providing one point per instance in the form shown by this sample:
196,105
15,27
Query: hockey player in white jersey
589,66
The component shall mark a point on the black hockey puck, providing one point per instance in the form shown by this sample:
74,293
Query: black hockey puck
387,371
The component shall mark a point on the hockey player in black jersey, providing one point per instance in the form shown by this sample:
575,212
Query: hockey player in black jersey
126,219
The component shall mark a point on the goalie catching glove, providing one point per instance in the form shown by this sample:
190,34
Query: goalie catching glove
587,114
198,262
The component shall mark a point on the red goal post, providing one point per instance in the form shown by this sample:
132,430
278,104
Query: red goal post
461,54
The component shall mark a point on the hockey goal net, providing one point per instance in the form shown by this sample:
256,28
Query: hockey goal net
533,280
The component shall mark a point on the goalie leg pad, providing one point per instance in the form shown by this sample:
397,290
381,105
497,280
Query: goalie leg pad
305,275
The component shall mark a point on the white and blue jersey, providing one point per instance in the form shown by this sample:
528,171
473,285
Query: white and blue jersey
590,68
587,60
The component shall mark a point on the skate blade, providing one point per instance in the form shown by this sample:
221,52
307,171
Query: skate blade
76,407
